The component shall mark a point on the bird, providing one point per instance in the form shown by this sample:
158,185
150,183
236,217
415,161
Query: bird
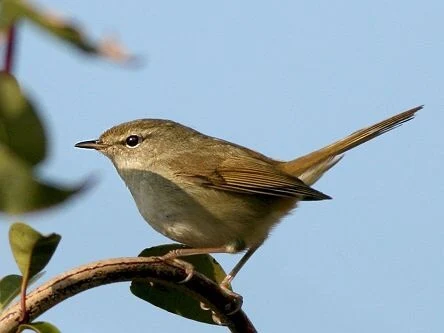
213,195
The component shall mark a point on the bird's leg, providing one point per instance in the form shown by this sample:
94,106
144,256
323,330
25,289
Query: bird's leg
174,254
189,269
227,280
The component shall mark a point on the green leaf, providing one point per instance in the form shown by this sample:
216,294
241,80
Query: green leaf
175,299
10,288
32,251
20,128
20,192
61,28
22,146
9,12
58,26
39,327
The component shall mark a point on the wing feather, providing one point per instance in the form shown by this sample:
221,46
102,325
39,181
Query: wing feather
252,176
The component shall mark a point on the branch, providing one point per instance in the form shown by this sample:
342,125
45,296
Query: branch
119,270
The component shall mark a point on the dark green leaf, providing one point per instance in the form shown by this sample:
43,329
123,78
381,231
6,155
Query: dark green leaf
22,145
32,251
175,299
20,192
39,327
9,289
20,128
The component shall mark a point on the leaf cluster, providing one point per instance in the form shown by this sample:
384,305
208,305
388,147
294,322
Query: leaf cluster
23,147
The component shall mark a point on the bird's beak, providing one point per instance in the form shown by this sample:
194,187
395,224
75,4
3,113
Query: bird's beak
91,144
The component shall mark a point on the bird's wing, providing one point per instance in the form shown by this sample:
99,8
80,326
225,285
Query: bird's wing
252,176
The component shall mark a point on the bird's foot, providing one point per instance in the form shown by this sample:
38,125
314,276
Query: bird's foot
189,268
236,305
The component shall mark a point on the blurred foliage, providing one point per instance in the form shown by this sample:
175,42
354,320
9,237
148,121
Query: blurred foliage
22,147
60,27
175,299
20,127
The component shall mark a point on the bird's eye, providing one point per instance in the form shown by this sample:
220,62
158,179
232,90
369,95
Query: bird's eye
133,141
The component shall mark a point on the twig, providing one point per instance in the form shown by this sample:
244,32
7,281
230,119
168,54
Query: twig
118,270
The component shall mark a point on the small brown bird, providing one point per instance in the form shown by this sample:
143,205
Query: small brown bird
213,195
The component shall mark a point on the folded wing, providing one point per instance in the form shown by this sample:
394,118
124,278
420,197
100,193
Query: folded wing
253,176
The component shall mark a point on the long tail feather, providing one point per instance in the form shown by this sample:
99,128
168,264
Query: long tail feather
323,156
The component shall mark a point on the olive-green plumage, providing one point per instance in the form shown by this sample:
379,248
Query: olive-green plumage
213,195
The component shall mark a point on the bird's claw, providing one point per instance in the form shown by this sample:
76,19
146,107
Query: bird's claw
232,307
189,268
238,300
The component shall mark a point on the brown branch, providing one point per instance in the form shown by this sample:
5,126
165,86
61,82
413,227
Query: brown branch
10,48
119,270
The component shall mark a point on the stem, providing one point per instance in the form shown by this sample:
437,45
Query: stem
10,48
24,319
109,271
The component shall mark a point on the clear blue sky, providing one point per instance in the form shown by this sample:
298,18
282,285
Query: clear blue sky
283,78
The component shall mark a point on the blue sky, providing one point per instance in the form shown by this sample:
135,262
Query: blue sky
283,78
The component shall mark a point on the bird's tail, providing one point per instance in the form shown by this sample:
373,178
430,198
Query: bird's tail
309,168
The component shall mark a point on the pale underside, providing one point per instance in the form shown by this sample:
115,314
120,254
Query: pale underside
208,217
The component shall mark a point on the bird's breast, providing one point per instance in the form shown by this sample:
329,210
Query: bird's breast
198,216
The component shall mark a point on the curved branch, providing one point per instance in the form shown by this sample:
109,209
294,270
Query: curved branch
119,270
